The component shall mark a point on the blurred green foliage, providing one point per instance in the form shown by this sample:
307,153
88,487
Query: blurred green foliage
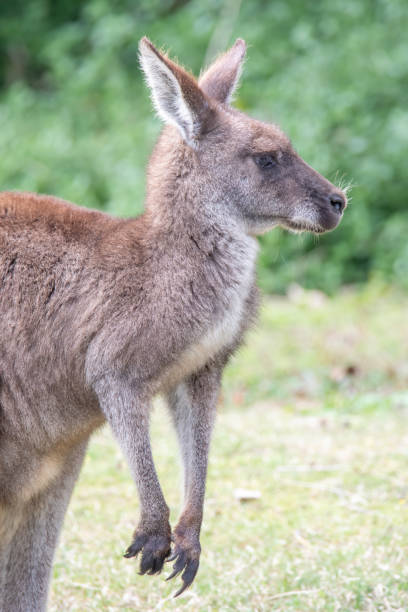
76,122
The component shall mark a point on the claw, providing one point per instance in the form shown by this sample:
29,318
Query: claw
188,576
179,565
147,562
153,552
181,590
135,548
189,568
155,568
128,554
190,572
173,574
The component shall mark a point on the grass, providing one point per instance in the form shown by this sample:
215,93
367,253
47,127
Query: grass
314,416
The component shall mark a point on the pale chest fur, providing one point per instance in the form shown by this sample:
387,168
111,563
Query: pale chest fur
224,329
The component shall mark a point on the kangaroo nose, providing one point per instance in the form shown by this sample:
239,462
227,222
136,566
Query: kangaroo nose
337,201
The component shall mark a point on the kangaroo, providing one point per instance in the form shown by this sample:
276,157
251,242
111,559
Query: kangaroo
99,315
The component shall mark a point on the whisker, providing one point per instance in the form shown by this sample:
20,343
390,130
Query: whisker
343,184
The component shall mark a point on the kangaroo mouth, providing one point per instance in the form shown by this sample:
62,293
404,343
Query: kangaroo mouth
297,228
263,223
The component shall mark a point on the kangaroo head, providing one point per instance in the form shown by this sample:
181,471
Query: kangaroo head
245,170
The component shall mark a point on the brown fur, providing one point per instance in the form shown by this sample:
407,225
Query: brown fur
100,314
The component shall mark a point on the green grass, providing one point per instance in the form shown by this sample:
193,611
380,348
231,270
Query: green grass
314,416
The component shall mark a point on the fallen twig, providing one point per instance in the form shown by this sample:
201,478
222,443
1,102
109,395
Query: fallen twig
290,593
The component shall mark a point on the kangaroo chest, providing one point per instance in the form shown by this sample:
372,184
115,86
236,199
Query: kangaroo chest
225,328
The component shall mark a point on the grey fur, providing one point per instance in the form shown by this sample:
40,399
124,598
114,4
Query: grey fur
99,314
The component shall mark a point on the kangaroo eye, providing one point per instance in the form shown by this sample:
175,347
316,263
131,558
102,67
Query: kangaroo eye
265,161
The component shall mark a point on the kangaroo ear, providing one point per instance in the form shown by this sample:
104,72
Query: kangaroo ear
221,79
176,96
